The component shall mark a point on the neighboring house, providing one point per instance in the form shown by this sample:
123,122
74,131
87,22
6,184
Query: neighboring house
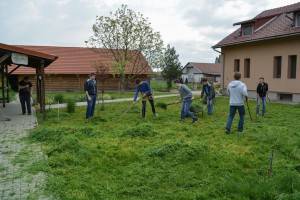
71,69
194,72
266,46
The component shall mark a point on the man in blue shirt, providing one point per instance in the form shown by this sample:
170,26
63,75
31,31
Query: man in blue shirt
90,88
144,88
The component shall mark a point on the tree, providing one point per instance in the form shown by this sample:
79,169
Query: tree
129,37
102,72
172,69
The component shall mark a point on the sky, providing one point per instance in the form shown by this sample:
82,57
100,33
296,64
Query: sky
192,27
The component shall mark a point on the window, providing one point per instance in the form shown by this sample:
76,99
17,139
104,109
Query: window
292,66
247,68
298,19
236,65
277,67
247,29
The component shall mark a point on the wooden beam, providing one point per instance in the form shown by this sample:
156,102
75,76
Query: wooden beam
14,69
3,58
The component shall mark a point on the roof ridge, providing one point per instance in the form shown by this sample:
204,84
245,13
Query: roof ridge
51,46
279,9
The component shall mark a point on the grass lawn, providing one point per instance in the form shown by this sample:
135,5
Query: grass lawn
162,158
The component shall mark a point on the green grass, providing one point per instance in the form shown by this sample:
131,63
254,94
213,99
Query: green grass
161,158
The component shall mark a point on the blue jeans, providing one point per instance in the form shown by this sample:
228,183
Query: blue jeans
233,109
210,106
91,106
263,99
185,110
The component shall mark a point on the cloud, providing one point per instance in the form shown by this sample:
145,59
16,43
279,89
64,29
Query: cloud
191,26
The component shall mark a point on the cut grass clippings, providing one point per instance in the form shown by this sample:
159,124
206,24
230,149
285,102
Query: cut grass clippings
162,158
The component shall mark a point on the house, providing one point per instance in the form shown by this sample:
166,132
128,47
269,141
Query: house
265,46
71,69
194,72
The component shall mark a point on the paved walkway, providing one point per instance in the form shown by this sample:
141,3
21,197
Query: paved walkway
109,101
16,155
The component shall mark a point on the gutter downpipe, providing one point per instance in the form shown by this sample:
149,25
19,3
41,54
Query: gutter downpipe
223,63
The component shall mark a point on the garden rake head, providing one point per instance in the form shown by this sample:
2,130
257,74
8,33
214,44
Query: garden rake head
129,108
165,105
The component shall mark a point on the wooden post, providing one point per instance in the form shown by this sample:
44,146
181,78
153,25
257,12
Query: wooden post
43,89
2,81
7,75
38,97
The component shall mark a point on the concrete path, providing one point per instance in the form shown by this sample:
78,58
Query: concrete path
115,100
16,155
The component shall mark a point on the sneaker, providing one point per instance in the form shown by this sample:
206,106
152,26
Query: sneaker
29,113
227,131
181,120
155,114
195,120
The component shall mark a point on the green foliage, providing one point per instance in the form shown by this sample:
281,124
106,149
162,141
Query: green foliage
172,68
71,105
106,157
59,98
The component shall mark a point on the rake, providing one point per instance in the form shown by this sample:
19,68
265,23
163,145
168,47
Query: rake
129,108
248,109
165,105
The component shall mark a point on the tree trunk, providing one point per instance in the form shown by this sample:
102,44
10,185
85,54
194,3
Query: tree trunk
122,81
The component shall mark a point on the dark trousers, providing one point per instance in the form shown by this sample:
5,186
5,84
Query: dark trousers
241,110
91,106
25,100
150,99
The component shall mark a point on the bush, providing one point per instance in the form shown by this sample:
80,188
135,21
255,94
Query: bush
59,98
71,105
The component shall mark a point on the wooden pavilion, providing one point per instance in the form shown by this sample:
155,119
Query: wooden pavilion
22,57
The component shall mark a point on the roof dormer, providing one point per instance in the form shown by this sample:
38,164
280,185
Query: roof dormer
247,29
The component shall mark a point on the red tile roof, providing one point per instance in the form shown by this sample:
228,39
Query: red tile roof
34,57
278,26
72,60
208,68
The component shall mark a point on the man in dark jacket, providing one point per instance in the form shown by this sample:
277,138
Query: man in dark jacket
262,93
25,93
209,91
186,98
144,88
90,89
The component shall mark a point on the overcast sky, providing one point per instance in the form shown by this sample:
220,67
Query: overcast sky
191,26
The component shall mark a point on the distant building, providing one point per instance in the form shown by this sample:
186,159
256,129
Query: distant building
266,46
71,69
194,72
